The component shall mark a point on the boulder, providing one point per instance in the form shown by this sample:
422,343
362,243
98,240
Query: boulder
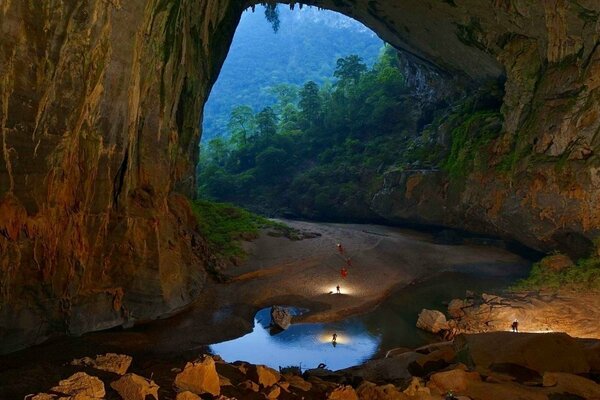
81,386
342,393
187,395
416,388
263,375
389,370
281,317
135,387
42,396
455,380
455,308
272,392
249,385
556,263
297,382
111,362
541,352
370,391
433,361
432,321
199,377
235,374
503,391
560,382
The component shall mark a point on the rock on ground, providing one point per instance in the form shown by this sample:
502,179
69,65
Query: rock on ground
199,377
370,391
551,352
342,393
263,375
432,321
135,387
560,382
281,317
187,395
81,386
111,362
456,380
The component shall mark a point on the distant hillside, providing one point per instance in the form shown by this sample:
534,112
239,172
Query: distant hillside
306,47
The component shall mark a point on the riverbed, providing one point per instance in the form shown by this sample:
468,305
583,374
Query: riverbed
392,275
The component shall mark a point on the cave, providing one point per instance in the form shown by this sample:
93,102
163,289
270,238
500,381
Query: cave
99,110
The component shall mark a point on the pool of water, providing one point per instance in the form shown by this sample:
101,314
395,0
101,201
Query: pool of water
390,325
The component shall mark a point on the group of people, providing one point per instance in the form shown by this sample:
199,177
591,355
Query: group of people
344,269
344,274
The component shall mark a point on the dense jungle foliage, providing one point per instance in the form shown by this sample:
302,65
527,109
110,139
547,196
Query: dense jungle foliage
290,47
320,151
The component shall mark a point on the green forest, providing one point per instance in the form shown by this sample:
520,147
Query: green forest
320,151
305,46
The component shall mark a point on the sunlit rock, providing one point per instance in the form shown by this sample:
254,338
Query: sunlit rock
455,380
432,321
111,362
199,377
135,387
342,393
81,386
263,375
187,396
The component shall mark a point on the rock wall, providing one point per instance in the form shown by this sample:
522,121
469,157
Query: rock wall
541,185
99,108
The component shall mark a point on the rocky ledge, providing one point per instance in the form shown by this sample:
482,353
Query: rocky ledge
576,313
489,366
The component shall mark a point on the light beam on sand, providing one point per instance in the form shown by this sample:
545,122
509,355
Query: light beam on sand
343,290
328,338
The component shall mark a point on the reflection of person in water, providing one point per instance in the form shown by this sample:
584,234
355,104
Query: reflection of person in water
334,340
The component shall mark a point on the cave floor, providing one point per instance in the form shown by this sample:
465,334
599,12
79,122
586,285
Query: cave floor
300,273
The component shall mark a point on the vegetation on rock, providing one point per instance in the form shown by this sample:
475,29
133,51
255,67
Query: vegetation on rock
320,152
583,275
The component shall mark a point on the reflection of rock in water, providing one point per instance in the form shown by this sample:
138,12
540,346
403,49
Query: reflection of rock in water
274,330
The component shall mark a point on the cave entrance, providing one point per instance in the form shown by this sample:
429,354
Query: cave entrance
280,130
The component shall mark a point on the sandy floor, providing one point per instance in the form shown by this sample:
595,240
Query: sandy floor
302,274
382,259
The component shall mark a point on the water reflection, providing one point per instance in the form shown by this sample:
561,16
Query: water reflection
305,345
359,338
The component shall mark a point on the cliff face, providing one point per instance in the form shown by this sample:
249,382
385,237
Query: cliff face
99,108
540,182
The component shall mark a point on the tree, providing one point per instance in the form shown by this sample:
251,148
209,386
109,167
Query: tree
271,163
241,124
217,151
310,102
349,69
266,122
